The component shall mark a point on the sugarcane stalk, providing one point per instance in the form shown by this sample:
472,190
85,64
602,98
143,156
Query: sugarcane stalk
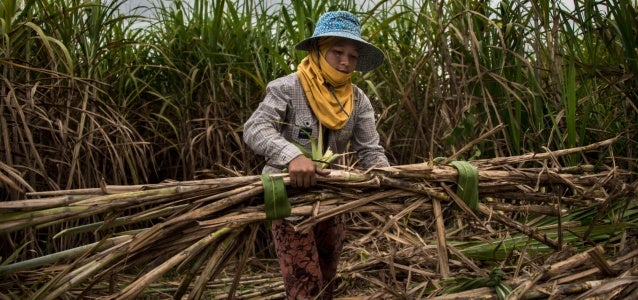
119,189
444,173
189,275
545,155
127,198
256,214
58,256
487,293
538,197
589,272
596,254
85,270
136,287
486,211
202,207
407,210
576,288
40,204
460,203
214,265
528,209
444,268
234,197
571,263
419,188
12,222
147,215
274,290
304,225
346,177
471,144
97,210
468,262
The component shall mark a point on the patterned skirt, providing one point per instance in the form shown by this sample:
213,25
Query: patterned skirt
309,260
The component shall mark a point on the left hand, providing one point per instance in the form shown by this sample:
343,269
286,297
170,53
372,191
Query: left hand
303,172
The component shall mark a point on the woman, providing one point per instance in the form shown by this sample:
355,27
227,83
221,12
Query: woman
318,97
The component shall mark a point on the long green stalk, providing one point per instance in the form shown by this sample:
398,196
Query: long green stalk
62,255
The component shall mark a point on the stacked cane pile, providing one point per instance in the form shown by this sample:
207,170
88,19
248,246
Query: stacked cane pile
520,226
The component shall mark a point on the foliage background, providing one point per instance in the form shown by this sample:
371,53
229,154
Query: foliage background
89,95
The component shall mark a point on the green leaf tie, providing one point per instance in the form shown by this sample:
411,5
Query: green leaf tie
467,185
275,198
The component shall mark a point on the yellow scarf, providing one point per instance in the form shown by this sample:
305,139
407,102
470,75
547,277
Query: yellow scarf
332,110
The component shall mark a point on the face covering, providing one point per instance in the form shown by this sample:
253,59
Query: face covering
329,91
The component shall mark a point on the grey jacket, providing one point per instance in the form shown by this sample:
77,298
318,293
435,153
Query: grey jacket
284,118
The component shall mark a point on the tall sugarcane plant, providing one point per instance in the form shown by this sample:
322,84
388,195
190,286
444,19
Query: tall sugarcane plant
161,89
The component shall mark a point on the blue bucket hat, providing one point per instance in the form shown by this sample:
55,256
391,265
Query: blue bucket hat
346,25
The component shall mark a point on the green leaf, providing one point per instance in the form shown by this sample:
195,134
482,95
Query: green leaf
467,185
13,256
276,201
495,279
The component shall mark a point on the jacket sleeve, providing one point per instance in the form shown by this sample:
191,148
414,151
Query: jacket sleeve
263,130
365,140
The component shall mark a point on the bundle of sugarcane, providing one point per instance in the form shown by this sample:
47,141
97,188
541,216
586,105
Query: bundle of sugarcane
192,230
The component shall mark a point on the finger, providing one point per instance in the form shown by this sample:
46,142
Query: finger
313,179
307,181
302,181
322,171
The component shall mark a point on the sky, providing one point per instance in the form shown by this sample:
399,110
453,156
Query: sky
129,5
140,7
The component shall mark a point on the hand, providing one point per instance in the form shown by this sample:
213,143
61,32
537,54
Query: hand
303,172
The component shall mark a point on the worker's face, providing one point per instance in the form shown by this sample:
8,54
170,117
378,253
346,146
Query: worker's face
343,55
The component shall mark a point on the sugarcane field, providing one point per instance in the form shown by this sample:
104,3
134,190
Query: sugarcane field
510,130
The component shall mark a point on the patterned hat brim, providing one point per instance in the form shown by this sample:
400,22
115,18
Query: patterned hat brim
370,57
